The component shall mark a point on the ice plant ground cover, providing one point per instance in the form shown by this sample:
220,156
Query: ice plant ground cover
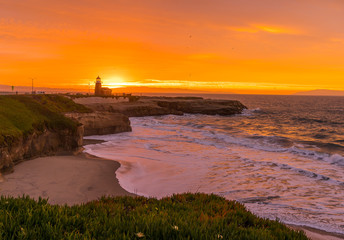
182,216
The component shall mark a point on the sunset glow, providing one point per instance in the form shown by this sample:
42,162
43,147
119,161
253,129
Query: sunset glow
274,47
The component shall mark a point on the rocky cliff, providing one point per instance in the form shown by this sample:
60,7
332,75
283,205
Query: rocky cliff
99,123
40,143
33,126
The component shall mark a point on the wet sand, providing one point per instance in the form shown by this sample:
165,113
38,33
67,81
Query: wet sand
315,234
64,179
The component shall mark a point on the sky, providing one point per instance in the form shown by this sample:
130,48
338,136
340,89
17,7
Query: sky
246,46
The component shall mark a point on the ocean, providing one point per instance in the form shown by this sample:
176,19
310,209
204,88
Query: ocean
283,157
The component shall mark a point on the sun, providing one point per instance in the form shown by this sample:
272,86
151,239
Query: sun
116,82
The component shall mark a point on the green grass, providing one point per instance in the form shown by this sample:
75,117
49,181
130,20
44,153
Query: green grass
59,103
21,115
184,216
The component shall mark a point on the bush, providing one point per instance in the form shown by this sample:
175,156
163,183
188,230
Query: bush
182,216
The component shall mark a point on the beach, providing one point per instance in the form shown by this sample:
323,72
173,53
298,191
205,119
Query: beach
64,179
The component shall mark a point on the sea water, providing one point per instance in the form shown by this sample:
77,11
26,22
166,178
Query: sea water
283,157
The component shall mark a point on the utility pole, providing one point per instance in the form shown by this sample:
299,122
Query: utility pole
32,85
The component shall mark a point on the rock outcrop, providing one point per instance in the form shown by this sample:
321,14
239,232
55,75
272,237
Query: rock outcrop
48,142
141,109
99,123
40,143
157,106
208,107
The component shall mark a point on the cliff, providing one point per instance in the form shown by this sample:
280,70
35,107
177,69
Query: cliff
155,106
33,126
41,125
40,143
99,123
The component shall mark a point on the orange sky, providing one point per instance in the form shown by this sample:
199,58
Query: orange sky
246,46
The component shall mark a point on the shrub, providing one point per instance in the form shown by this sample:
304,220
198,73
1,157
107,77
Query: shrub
182,216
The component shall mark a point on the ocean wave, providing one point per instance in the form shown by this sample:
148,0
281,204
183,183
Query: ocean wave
311,174
257,199
210,135
298,170
280,144
250,112
258,142
335,159
319,120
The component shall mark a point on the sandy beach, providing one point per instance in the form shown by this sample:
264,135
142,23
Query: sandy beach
64,179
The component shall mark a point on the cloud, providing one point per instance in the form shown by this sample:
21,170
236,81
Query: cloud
220,84
268,28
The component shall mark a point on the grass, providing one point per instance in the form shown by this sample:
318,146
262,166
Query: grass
183,216
59,103
21,115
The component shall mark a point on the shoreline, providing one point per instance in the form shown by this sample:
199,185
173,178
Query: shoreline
316,234
95,177
68,179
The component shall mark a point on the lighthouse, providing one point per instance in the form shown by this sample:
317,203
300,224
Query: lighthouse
98,89
101,91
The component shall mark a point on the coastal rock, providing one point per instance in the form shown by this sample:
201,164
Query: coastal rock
157,106
40,143
99,123
143,109
208,107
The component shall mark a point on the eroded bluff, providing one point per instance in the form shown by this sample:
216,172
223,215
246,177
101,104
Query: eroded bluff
40,143
100,123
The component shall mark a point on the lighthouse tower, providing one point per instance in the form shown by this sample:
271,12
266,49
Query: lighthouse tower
98,89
